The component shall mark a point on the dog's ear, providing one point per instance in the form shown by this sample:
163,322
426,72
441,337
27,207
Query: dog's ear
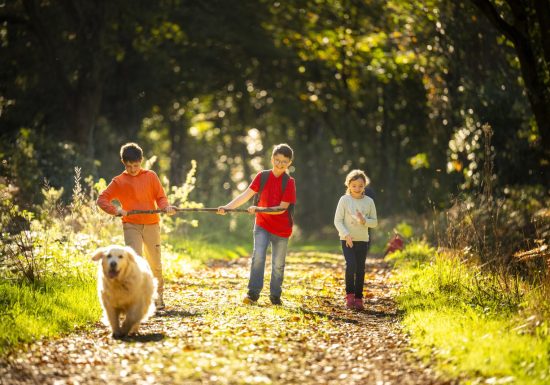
130,253
98,254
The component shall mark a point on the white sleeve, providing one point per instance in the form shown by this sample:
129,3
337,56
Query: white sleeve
339,218
371,219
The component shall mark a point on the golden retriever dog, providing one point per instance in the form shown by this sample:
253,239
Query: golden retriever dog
126,288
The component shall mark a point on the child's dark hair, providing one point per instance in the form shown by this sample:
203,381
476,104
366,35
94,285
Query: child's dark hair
131,152
283,149
354,175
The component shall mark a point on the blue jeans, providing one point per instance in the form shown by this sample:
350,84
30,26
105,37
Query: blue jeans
262,238
355,266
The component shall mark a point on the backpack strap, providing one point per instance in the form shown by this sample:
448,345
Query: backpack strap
263,180
290,209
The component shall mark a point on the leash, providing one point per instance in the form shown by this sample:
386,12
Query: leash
203,209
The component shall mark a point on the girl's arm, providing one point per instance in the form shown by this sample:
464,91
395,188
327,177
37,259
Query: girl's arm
339,218
371,220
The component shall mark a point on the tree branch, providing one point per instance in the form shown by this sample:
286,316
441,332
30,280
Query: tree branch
488,9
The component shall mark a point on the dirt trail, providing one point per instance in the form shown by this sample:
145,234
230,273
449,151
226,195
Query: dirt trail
206,336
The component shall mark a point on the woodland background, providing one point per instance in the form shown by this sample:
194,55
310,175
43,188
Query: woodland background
400,89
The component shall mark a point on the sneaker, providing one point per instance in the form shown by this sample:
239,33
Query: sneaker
248,300
275,300
359,304
159,303
350,301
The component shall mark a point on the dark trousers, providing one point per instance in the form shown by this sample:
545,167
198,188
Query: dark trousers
355,267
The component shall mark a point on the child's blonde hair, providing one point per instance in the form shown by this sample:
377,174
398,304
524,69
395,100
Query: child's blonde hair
354,175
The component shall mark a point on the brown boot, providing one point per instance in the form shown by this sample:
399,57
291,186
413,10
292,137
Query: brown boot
350,301
359,304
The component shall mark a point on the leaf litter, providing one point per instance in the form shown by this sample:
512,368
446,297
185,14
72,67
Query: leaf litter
207,336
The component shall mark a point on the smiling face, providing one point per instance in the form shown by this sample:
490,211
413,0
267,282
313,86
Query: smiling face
356,188
280,163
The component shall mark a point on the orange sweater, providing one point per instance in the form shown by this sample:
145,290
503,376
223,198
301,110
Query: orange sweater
140,192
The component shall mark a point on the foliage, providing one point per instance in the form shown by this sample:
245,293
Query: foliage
56,239
17,248
179,196
394,88
417,253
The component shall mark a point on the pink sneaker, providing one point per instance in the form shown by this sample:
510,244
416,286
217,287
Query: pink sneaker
350,301
359,304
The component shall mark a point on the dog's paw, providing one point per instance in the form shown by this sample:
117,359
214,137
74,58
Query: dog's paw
118,335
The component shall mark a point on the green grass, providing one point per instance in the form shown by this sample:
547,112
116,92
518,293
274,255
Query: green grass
62,302
199,251
467,323
29,312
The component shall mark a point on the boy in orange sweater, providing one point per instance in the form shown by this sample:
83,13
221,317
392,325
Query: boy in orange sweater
138,189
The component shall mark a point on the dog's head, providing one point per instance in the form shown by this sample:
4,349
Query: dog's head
114,259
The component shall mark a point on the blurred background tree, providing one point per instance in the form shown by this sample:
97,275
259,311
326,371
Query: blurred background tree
397,88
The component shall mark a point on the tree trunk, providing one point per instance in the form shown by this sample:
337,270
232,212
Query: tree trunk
83,99
86,105
525,45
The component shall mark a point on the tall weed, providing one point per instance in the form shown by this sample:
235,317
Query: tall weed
56,238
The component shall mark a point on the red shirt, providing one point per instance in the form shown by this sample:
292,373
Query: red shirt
140,192
272,195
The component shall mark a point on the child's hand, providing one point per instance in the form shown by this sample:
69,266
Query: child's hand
222,209
360,217
121,213
349,241
252,209
170,210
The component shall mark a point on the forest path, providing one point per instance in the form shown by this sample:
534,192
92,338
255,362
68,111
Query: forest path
207,336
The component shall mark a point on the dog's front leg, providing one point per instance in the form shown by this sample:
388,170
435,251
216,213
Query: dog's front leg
113,315
132,320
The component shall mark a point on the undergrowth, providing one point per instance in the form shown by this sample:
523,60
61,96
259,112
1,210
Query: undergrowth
476,325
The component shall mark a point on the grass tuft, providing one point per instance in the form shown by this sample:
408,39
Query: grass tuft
470,322
48,308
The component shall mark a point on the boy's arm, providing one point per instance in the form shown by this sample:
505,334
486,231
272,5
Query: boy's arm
106,197
238,201
288,198
281,208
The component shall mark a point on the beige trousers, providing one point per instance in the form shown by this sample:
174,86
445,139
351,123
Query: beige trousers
137,236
